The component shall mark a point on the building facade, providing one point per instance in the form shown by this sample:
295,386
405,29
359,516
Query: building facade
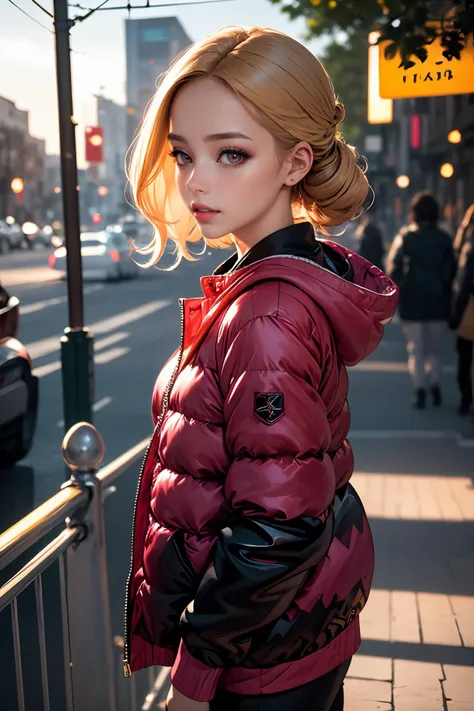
416,145
110,174
21,156
151,46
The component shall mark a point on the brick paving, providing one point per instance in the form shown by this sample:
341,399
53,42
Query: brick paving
418,626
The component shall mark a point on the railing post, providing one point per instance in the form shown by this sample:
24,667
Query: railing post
91,644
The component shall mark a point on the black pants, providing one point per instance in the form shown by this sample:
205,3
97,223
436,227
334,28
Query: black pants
323,694
465,351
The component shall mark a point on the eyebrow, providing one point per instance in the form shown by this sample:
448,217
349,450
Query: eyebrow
211,137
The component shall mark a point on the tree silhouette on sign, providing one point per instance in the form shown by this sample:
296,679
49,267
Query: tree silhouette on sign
408,26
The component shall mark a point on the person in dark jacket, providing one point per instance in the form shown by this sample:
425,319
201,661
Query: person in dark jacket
421,262
369,240
463,293
252,556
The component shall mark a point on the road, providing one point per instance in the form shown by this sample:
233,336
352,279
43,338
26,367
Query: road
414,470
135,325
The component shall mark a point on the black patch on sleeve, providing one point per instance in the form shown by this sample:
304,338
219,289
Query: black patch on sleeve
269,407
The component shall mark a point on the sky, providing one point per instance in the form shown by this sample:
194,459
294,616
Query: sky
27,62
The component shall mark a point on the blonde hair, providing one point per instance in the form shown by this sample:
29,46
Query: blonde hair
293,98
465,229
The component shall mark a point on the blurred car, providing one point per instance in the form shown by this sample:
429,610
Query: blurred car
45,236
18,387
11,237
105,255
34,234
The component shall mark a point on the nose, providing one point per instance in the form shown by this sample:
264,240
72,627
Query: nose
197,184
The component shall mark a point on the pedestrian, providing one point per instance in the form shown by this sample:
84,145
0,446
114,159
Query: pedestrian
463,308
421,262
369,242
252,555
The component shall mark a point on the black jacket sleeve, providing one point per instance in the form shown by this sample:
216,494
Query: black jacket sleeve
259,565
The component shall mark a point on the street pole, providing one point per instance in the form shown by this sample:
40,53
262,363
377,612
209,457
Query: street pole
76,344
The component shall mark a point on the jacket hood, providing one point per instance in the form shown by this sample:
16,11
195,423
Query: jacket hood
356,310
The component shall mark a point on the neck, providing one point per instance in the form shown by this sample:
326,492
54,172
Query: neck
252,233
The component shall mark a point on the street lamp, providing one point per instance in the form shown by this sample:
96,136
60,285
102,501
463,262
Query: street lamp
96,140
454,136
17,185
447,170
403,181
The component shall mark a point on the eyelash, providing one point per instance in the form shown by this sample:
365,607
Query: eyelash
237,151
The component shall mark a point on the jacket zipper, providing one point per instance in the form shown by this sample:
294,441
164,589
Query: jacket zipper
164,406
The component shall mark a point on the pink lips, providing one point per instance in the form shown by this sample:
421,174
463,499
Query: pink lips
203,213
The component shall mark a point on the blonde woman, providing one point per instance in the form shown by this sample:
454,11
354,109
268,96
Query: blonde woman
252,556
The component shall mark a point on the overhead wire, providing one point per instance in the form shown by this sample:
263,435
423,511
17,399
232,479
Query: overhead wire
31,17
92,10
147,6
51,32
47,12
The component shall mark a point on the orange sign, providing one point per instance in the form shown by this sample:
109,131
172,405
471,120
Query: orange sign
436,76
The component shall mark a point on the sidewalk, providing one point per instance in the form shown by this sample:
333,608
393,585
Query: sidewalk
414,474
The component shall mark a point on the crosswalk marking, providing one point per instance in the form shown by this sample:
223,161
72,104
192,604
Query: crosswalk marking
55,301
101,344
47,346
110,340
113,354
47,369
99,405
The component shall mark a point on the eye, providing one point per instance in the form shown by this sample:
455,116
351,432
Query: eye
180,156
233,156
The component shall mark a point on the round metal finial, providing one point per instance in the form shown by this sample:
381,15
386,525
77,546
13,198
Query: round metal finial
83,448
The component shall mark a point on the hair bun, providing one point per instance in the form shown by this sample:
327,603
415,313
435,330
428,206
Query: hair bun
335,188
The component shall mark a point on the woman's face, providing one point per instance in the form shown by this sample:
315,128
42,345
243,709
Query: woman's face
229,172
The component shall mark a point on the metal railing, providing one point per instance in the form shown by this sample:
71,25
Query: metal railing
90,664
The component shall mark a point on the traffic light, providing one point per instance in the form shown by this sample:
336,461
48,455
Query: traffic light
94,144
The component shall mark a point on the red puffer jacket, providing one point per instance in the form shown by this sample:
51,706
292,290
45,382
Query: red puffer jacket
252,556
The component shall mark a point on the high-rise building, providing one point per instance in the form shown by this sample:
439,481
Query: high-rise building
151,46
110,174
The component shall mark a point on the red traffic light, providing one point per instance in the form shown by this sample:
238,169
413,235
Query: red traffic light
97,218
94,144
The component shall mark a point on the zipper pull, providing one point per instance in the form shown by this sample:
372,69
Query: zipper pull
126,670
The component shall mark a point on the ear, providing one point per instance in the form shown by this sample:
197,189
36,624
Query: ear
298,163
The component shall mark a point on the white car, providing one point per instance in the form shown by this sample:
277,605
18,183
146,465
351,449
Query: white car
105,255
